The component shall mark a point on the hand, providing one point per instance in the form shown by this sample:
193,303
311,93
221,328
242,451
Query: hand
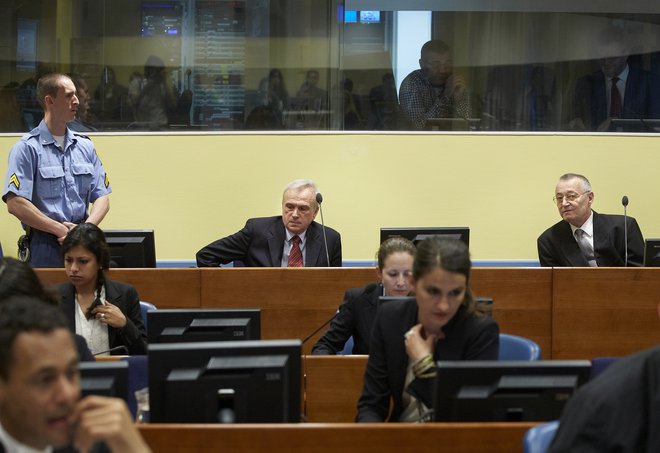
456,86
62,235
109,314
103,419
418,347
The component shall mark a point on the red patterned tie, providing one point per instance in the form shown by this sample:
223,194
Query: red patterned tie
615,102
295,256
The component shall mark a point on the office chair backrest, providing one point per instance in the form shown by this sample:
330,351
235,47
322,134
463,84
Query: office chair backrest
144,308
513,347
539,438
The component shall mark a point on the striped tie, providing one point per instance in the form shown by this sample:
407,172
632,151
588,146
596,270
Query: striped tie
295,256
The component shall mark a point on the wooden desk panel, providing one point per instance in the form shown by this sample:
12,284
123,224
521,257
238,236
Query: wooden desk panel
165,288
522,300
293,302
338,437
604,311
333,387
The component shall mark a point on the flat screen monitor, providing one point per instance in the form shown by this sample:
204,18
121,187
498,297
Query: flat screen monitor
131,248
213,324
652,252
484,391
418,234
104,379
225,382
650,125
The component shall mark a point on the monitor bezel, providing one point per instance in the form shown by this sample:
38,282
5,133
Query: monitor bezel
411,233
177,317
122,238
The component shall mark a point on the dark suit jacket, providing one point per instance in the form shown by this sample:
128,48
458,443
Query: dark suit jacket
619,411
558,248
467,337
355,318
125,297
261,243
641,98
97,448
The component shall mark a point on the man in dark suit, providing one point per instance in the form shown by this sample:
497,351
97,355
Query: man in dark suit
40,405
616,90
584,237
290,240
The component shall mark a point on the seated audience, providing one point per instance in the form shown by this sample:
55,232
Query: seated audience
105,312
356,314
585,237
40,405
19,279
444,323
290,240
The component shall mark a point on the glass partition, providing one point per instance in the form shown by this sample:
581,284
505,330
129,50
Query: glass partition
225,65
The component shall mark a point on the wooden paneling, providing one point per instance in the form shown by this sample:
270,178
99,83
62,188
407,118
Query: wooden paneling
604,311
333,438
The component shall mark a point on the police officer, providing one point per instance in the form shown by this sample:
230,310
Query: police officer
53,175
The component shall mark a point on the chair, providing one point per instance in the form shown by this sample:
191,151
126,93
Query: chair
138,378
539,438
513,347
600,364
144,308
348,347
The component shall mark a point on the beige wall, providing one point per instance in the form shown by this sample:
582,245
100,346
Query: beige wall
193,189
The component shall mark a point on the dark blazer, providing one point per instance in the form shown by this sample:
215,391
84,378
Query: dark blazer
641,98
355,318
261,243
467,337
619,411
97,448
125,297
558,248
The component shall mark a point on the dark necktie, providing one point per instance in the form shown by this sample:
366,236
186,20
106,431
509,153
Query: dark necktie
585,247
615,100
295,255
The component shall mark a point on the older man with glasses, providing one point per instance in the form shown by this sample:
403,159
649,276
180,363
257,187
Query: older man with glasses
585,237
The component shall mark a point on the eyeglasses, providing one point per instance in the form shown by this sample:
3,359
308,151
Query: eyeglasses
559,199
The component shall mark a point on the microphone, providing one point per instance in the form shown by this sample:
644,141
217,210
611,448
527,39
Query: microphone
624,202
320,327
319,200
122,348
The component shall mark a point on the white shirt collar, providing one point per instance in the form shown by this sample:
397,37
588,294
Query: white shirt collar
587,226
290,235
13,446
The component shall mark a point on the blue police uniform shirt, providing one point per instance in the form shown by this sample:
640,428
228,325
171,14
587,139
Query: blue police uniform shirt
61,184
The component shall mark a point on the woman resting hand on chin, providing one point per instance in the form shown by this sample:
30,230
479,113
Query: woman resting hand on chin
443,323
105,312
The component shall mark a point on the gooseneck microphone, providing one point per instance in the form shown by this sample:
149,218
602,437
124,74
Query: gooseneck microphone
319,200
123,349
624,202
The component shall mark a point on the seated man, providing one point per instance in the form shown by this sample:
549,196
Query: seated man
290,240
40,405
584,237
434,91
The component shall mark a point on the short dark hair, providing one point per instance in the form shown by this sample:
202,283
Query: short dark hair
435,46
92,238
20,314
451,255
394,245
48,85
19,279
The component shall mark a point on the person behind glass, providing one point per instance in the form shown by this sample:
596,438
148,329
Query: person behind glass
17,279
105,312
356,314
434,91
274,94
584,237
85,119
445,322
158,96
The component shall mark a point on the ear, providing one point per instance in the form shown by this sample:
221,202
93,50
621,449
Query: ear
421,64
591,197
380,278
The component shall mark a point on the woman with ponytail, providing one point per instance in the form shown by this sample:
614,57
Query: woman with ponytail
105,312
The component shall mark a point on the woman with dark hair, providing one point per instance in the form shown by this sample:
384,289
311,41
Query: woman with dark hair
356,314
19,279
445,322
106,313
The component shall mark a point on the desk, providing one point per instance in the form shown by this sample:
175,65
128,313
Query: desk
338,437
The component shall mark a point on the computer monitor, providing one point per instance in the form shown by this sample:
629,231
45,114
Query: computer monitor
418,234
213,324
484,391
131,248
652,253
104,379
225,381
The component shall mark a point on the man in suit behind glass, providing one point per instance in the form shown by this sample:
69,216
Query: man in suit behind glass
603,233
268,241
40,405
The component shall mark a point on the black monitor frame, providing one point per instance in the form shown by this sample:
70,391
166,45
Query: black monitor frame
417,234
483,391
652,252
198,324
104,379
230,381
131,248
